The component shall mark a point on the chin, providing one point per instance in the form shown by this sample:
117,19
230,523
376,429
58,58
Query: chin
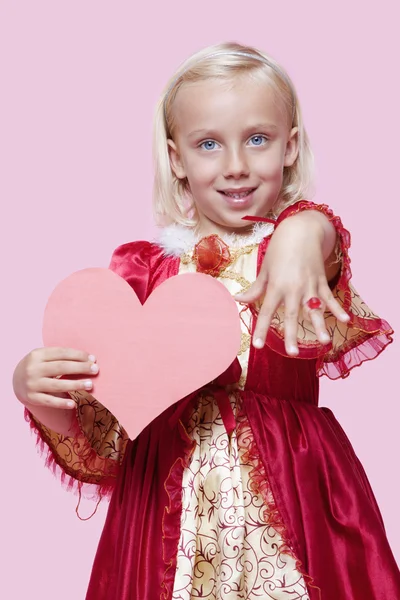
234,222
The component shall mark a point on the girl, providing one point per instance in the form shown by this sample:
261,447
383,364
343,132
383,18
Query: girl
248,489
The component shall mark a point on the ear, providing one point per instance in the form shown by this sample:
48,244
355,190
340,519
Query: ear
292,147
175,160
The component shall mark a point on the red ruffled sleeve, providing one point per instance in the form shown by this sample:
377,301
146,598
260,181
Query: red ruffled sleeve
362,338
88,461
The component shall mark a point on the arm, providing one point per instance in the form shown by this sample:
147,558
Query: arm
54,411
61,420
84,444
299,264
317,225
356,333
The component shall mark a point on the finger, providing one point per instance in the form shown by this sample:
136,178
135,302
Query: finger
271,302
255,291
68,367
51,386
291,324
51,401
332,304
316,316
51,353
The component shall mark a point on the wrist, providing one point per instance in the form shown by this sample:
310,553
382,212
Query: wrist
336,243
316,226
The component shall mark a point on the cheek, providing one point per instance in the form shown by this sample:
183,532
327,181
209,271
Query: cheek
270,167
200,171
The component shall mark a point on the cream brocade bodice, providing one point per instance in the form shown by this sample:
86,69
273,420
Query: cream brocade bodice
227,550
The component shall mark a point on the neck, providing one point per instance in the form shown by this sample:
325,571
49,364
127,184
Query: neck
207,227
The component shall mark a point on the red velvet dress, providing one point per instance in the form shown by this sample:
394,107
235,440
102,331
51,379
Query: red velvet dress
312,491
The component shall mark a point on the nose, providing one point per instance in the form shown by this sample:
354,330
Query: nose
236,165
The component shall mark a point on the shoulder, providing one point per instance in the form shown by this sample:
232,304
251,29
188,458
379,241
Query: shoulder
137,263
138,253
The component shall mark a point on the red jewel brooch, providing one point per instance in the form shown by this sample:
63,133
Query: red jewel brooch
211,255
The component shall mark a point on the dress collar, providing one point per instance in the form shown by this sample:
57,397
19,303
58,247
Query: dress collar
178,239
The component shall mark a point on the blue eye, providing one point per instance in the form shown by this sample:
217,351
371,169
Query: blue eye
208,145
259,139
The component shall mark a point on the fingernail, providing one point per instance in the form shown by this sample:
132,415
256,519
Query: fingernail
258,343
345,316
88,384
94,368
325,337
71,404
293,350
92,358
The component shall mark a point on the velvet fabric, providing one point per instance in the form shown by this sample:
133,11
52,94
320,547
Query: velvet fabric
325,507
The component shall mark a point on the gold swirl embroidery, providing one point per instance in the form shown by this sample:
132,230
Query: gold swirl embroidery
235,277
102,430
245,343
227,273
242,381
225,520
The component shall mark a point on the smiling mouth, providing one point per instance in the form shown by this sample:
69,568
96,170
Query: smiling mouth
238,195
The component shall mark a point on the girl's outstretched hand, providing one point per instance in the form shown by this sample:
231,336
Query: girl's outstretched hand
293,271
36,377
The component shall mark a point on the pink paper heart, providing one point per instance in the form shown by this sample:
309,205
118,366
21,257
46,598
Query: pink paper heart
185,335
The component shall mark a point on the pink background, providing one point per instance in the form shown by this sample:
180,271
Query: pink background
79,82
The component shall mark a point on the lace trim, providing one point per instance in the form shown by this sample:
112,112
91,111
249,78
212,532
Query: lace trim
260,485
171,522
344,237
362,338
74,462
354,353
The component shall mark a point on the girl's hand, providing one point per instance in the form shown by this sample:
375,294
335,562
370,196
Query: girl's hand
35,382
293,271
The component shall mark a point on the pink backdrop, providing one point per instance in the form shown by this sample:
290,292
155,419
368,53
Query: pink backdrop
79,82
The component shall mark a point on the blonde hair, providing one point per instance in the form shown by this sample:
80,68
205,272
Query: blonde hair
172,200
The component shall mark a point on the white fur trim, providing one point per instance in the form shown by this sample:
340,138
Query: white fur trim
177,239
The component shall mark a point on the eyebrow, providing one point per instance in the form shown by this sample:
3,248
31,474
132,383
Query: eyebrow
256,127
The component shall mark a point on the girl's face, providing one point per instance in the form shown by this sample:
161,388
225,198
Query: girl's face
231,142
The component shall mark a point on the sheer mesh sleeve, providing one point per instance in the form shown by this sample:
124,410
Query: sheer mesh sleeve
88,460
362,338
